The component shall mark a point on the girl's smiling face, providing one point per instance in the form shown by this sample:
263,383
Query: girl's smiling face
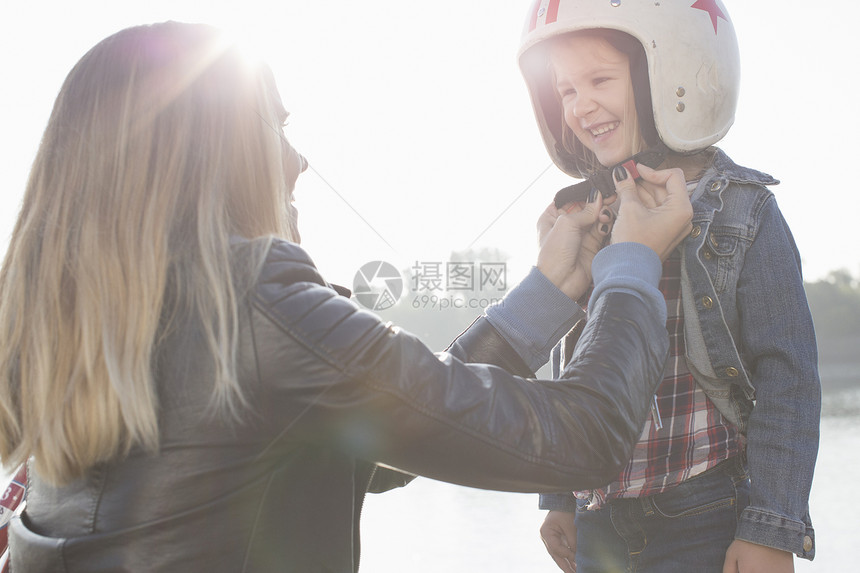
592,79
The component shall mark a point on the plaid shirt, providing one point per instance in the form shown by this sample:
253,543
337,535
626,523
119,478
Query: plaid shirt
694,437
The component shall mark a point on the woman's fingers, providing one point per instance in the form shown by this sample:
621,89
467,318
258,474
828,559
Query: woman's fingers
563,242
605,220
659,184
625,185
545,222
676,198
656,213
583,215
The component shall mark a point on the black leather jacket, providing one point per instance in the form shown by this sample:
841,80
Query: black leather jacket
329,385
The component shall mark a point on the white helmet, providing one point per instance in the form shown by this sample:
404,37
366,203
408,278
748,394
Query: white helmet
692,63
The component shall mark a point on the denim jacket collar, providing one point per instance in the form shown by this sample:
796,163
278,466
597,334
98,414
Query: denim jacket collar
724,171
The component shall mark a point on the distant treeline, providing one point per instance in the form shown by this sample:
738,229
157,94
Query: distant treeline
835,305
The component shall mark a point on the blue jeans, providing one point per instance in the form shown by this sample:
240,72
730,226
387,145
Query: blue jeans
683,530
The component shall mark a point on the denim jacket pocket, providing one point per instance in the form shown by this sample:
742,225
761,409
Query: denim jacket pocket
719,254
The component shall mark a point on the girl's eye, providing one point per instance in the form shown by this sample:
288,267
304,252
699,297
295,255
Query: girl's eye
598,81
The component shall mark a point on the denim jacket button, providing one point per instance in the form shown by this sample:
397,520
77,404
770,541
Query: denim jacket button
707,302
697,230
807,543
732,372
708,255
716,186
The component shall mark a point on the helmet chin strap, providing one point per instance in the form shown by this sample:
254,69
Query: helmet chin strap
602,179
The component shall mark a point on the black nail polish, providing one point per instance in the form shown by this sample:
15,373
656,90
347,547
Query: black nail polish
619,173
607,213
592,196
604,228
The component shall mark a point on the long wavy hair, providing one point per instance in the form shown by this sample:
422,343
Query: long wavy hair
164,142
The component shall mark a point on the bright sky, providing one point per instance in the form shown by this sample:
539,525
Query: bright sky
415,115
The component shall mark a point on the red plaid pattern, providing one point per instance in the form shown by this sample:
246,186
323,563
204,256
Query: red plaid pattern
694,437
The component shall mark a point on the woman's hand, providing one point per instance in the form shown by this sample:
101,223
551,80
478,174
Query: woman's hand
569,238
655,211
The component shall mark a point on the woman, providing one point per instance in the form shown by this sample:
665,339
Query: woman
191,392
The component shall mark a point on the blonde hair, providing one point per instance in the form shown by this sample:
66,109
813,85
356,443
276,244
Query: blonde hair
162,144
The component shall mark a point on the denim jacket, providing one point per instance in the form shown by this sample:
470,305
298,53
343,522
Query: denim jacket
750,341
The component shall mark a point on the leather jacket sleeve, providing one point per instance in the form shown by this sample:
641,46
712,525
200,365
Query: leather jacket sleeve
335,375
482,343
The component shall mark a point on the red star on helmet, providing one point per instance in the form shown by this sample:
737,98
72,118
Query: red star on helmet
710,6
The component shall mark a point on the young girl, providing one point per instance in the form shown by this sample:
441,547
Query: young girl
720,478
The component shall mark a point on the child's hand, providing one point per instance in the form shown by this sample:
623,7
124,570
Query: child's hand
569,238
558,533
745,557
655,210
